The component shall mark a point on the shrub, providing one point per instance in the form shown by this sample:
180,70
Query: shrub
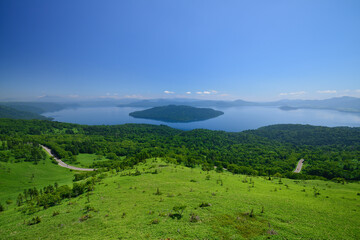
34,220
155,221
316,192
1,207
55,213
137,173
204,204
89,208
157,192
251,213
194,218
178,211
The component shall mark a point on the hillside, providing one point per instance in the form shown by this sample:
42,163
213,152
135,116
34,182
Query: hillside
156,182
158,200
8,112
177,113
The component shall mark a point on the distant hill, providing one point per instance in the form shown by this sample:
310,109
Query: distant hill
287,108
38,107
8,112
176,113
346,104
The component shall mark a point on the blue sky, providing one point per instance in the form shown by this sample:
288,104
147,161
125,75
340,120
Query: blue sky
252,50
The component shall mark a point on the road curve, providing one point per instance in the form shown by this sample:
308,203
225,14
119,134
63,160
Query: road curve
62,164
299,166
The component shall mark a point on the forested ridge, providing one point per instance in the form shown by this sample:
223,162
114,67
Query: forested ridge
274,150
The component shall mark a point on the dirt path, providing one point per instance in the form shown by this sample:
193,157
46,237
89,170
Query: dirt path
299,166
62,164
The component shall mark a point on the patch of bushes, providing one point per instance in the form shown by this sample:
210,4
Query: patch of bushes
89,208
34,220
178,212
194,218
155,221
84,218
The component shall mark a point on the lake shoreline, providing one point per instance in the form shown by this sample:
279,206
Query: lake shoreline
234,119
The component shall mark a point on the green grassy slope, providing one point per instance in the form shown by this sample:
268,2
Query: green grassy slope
126,207
15,177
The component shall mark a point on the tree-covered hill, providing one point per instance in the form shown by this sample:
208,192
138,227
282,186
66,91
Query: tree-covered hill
177,113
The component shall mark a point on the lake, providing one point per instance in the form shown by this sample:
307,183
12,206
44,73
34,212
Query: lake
235,119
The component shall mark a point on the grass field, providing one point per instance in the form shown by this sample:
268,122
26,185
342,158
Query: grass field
216,206
15,177
85,160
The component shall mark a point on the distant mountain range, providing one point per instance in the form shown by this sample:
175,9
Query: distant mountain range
32,110
347,104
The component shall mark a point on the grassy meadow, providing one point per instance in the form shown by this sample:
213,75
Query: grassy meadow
174,202
15,177
85,160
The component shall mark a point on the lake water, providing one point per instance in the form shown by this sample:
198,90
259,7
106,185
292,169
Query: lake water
234,119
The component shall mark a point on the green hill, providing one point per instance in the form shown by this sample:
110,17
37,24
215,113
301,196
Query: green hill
174,113
8,112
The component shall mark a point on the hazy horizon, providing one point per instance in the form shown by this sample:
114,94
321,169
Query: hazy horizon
254,51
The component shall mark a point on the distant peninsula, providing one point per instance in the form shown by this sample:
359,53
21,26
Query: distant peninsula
288,108
177,113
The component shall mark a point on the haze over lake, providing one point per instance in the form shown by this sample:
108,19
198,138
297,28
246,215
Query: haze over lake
234,119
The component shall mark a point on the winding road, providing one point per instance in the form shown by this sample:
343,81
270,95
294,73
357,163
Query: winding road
299,166
62,164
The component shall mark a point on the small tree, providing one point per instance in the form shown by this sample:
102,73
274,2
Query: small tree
19,199
158,192
1,207
178,211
